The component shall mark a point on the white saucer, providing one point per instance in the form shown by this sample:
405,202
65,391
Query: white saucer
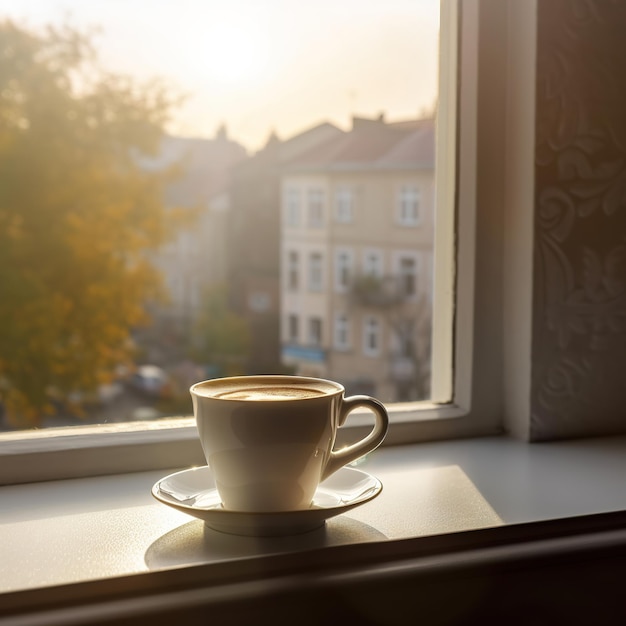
193,491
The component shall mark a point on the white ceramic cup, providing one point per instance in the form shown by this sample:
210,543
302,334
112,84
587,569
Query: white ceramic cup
269,439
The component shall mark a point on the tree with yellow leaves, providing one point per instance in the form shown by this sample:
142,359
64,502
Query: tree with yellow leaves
78,216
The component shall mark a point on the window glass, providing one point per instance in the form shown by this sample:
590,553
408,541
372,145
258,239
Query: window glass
315,208
342,331
371,336
293,271
316,272
315,331
293,324
292,205
344,205
373,263
343,269
407,275
215,206
408,205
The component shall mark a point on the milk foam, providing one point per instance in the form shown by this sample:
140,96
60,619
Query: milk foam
259,394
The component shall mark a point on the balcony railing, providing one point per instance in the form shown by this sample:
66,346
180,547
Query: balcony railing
379,291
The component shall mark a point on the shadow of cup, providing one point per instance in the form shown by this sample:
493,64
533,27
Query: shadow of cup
194,543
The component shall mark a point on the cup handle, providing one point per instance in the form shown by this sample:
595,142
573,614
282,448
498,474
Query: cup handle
346,455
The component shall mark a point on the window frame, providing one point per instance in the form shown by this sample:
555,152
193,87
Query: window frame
315,208
315,271
399,256
466,400
340,269
293,328
315,331
370,253
403,218
372,327
344,204
342,328
292,273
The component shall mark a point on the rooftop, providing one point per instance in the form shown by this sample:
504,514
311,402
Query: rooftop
373,144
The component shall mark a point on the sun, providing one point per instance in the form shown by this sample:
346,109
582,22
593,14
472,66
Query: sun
234,54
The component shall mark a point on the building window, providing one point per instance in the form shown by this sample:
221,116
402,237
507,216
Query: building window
342,331
408,205
315,208
371,336
407,276
292,207
293,271
316,274
293,328
259,301
343,270
344,205
315,331
373,263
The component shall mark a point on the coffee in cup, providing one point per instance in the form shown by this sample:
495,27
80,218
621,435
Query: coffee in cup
269,440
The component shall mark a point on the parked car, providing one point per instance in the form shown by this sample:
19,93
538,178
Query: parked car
150,380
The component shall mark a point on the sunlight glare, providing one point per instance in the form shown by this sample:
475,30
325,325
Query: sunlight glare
234,54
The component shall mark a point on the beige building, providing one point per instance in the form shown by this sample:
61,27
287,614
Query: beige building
356,259
254,242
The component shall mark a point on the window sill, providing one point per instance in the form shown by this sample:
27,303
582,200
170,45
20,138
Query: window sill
100,535
96,450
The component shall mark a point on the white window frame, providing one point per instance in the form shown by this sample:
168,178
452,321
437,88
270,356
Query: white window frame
344,204
342,332
315,339
292,271
373,253
399,274
408,205
315,281
315,200
372,328
482,298
293,337
343,270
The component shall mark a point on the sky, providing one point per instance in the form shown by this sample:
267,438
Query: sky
263,66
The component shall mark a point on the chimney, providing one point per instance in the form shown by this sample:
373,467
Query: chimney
222,133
